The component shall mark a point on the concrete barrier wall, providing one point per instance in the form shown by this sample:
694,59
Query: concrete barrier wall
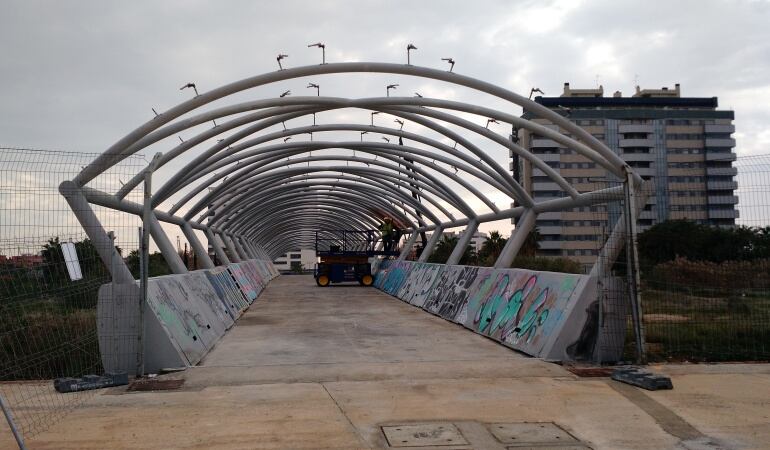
185,315
544,314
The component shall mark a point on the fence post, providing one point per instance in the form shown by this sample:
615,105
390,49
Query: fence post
632,269
9,417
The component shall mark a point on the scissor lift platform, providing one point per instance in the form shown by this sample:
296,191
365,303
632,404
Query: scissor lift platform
345,256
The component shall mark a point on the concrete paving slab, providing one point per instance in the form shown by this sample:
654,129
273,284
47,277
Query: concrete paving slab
326,368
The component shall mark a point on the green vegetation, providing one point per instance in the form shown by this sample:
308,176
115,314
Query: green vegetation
706,292
47,321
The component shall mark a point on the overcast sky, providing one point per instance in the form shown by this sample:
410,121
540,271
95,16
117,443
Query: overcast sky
79,75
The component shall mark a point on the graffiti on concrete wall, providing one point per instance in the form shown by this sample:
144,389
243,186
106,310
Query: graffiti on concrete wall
227,290
247,280
398,271
451,291
198,282
418,285
519,308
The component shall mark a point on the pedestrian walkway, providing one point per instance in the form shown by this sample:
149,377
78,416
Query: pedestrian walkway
348,367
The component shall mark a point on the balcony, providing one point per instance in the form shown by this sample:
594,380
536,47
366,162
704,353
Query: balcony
721,185
644,171
723,200
714,156
549,230
552,215
544,143
638,156
550,245
719,129
635,128
723,214
550,157
545,186
732,171
636,142
730,142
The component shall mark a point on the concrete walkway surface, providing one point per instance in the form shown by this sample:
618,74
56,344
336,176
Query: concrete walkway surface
347,367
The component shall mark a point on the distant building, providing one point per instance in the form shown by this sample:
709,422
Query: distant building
306,258
478,239
683,144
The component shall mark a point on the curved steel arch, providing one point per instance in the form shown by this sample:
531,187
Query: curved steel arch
265,202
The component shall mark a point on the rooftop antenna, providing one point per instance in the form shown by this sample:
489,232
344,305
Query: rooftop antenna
323,51
490,121
317,88
285,94
400,122
190,85
451,63
533,90
279,58
408,57
373,114
389,87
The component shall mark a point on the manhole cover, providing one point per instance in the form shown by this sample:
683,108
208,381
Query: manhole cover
590,372
423,435
155,385
528,433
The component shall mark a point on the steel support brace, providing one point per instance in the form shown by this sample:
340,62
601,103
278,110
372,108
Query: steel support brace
218,250
523,227
432,242
242,253
166,248
201,253
234,256
96,233
408,246
463,242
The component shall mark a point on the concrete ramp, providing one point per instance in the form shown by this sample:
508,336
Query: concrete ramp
185,315
544,314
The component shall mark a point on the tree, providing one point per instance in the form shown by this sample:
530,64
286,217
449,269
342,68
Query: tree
491,249
157,264
445,247
687,239
531,244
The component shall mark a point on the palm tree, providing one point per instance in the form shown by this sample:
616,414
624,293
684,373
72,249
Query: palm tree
491,248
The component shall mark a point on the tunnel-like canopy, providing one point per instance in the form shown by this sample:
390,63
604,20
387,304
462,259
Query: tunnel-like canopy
263,177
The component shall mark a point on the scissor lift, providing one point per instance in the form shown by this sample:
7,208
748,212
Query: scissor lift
345,256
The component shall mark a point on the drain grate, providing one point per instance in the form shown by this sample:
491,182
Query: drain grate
531,433
423,435
155,385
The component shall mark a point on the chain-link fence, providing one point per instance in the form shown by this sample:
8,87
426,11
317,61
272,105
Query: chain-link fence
48,300
706,273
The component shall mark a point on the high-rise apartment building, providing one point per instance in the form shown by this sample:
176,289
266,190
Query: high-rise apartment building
683,144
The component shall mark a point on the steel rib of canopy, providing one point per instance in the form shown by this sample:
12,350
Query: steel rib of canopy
259,192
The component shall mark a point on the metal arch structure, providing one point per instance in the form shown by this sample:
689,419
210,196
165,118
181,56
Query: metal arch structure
255,194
